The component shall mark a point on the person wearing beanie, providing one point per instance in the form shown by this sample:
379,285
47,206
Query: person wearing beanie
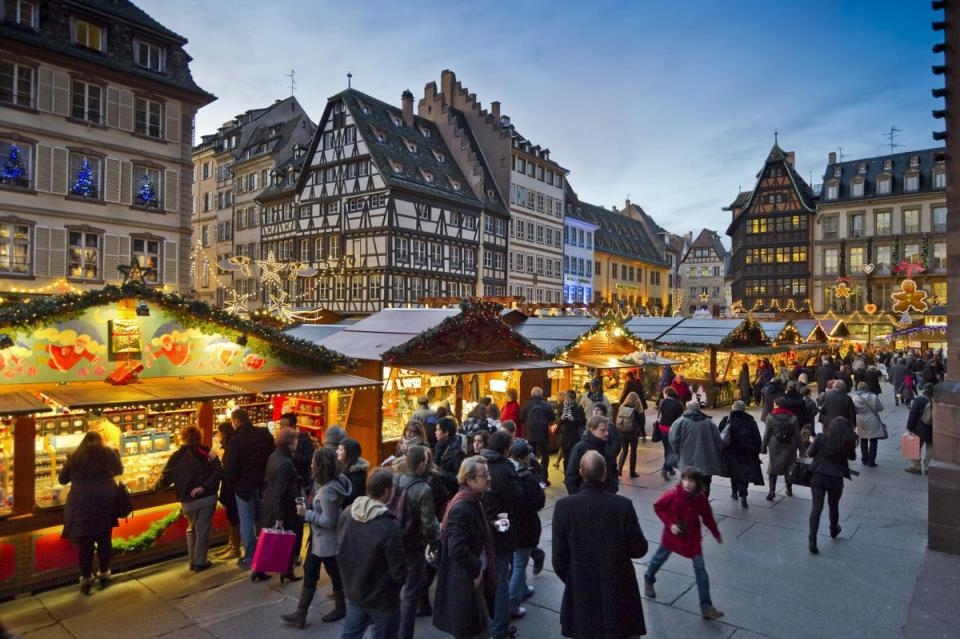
334,436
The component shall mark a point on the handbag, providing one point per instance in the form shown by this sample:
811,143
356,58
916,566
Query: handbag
801,473
657,435
886,435
910,446
274,550
122,504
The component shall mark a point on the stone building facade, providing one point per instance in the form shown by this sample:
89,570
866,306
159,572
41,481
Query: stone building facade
703,271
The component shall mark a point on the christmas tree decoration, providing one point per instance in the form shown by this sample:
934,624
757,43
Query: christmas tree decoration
83,185
147,194
237,304
910,297
12,171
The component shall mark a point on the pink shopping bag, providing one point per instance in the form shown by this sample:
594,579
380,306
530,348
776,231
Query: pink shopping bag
910,446
274,549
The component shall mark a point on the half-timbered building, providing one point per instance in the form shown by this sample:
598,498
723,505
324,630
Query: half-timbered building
771,262
386,212
703,269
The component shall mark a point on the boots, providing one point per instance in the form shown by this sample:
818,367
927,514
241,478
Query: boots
773,487
339,610
104,577
298,619
86,585
789,489
232,549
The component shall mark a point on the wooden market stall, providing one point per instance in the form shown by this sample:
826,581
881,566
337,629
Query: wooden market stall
447,355
197,364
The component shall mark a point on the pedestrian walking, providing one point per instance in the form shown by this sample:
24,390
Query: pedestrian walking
571,424
438,491
670,410
836,403
245,466
829,452
330,488
354,467
920,423
333,436
682,509
770,393
634,384
302,458
467,560
414,434
225,435
90,514
526,524
594,396
279,506
740,452
897,372
536,415
811,408
370,560
595,538
596,437
449,453
870,427
781,440
195,475
872,378
630,423
696,440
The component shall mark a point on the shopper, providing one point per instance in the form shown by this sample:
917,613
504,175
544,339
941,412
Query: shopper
829,452
743,384
330,488
279,506
670,410
371,561
684,394
89,519
595,538
870,427
571,424
196,477
511,408
896,373
413,435
536,415
696,440
771,392
682,509
836,403
415,495
597,438
811,408
333,436
355,468
740,454
466,556
302,458
250,449
424,414
781,439
629,424
920,423
634,384
477,442
441,495
225,434
526,523
594,396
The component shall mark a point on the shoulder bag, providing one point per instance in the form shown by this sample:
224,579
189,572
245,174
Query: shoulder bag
123,505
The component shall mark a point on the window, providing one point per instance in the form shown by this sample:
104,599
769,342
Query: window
147,253
85,176
883,186
149,56
147,186
831,228
856,189
333,247
539,234
911,220
87,102
14,248
830,261
84,256
883,224
436,255
833,191
88,35
882,258
939,180
911,182
16,84
350,135
855,267
424,211
939,218
16,164
911,253
530,168
939,261
856,225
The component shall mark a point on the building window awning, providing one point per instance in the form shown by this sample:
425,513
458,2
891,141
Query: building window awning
465,367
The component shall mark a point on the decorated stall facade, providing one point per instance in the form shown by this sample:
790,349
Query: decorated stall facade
136,365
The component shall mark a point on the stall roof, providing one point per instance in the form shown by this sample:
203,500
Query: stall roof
599,361
650,329
20,402
317,332
292,382
554,333
157,389
806,327
373,336
773,329
706,332
464,367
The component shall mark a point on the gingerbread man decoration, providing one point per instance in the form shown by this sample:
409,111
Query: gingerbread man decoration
910,298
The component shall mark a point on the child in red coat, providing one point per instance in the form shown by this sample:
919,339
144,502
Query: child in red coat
681,509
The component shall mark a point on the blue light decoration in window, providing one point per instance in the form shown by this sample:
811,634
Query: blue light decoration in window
147,194
83,185
12,171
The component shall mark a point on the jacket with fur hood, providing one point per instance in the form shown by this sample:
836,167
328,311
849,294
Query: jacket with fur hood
370,555
324,514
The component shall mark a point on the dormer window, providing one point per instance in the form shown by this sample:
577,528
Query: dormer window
914,161
364,107
863,168
856,189
87,34
837,171
22,13
410,145
149,56
883,186
397,122
833,191
397,167
455,185
887,165
911,182
440,157
427,176
940,180
378,135
425,132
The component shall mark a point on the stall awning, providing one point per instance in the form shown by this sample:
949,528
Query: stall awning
599,361
20,402
145,391
464,367
292,382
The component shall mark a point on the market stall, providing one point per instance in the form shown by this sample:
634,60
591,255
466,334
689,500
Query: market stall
452,356
136,365
923,334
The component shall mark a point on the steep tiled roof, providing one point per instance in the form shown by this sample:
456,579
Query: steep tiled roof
620,235
899,165
495,203
742,198
393,150
710,240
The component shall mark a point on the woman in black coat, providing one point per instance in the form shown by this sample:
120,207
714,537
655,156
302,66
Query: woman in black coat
466,556
830,451
740,455
354,467
743,384
228,498
89,517
571,422
279,505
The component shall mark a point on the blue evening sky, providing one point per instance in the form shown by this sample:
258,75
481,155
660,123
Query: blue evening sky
673,103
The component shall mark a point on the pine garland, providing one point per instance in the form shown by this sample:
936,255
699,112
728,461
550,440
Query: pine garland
147,538
925,251
750,333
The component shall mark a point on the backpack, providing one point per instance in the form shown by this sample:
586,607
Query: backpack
402,511
927,416
625,419
783,432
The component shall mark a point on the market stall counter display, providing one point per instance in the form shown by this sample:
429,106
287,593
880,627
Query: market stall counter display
137,366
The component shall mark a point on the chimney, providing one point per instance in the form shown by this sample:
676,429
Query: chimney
791,158
495,109
832,157
407,100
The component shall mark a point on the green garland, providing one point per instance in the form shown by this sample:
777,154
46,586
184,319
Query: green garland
750,333
607,323
925,252
189,313
148,538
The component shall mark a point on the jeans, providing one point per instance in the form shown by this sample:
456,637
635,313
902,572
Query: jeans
199,520
832,487
386,623
541,449
249,511
868,450
410,595
669,459
501,597
699,570
518,580
629,441
85,549
311,571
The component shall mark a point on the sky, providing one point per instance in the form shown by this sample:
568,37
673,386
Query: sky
673,104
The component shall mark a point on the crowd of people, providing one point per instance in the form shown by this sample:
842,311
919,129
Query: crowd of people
458,504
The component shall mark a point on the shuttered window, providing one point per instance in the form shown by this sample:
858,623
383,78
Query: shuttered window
147,253
83,255
16,84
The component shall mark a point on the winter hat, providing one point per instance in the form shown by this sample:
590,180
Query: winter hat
520,448
927,388
335,435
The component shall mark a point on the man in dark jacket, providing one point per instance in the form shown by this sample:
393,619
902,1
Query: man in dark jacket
536,415
825,372
371,560
419,502
896,373
505,491
526,523
770,393
837,403
872,378
448,454
634,385
250,449
302,459
595,537
596,437
793,402
920,423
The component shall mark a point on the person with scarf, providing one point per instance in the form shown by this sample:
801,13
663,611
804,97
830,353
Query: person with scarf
782,439
196,476
593,397
413,435
467,563
572,422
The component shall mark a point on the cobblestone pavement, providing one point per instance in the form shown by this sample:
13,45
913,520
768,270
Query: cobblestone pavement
762,577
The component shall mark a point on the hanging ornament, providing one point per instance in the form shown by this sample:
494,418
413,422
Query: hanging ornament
237,304
868,269
905,319
135,273
270,270
842,288
83,185
909,268
870,308
147,194
909,297
12,170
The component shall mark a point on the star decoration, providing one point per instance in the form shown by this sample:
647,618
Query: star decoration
237,304
910,298
279,305
134,273
909,268
270,270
